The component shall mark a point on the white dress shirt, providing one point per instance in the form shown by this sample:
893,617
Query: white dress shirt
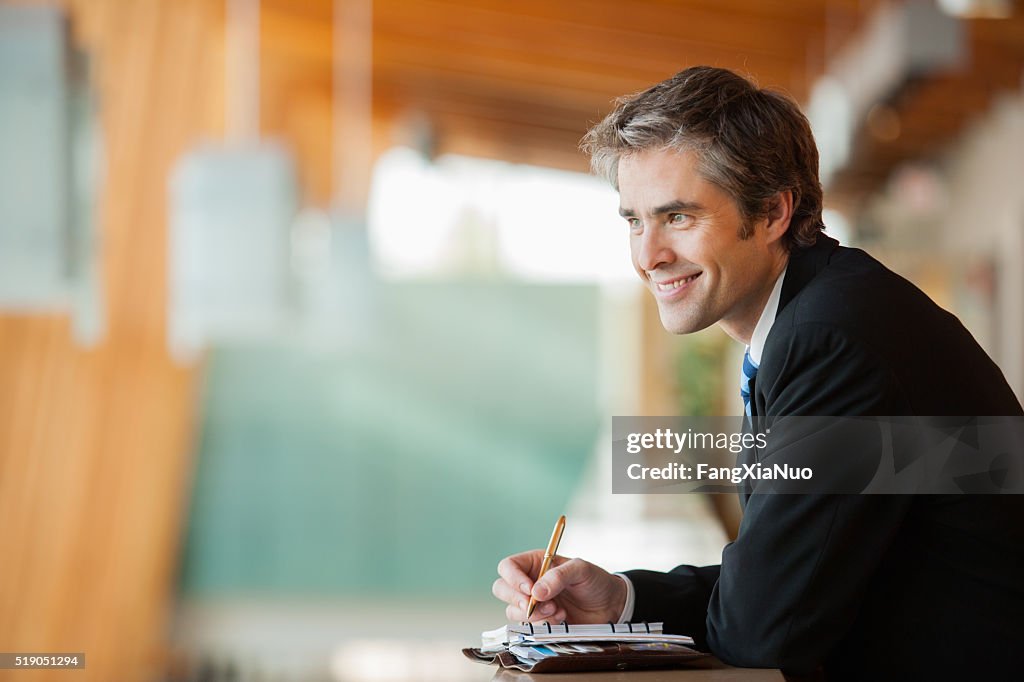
765,322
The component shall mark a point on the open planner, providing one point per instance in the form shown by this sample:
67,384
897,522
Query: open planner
544,647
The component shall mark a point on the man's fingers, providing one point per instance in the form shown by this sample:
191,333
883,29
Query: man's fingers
544,611
515,586
559,616
559,578
549,612
506,593
514,570
519,603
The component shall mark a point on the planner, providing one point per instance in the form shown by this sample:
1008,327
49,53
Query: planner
539,648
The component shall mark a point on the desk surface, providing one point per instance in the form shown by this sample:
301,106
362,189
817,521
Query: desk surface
715,672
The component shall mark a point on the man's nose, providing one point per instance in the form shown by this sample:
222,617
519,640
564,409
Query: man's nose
653,249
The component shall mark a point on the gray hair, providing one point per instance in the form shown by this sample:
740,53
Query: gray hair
750,142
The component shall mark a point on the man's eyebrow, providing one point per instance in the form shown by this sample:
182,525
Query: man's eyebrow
678,206
671,207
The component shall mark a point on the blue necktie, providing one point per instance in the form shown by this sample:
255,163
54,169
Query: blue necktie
749,372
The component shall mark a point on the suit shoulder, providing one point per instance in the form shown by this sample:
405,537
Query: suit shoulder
855,293
857,312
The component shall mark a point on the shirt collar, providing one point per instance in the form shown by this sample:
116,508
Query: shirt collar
765,322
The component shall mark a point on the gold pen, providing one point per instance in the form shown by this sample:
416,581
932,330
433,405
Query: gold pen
549,555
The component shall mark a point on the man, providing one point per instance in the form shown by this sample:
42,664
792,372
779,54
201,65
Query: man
718,185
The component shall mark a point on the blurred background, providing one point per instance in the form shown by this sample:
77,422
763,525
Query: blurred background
309,312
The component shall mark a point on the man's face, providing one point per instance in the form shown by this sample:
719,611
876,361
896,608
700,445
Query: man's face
686,247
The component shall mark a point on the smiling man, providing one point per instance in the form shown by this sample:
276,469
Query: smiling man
700,257
718,184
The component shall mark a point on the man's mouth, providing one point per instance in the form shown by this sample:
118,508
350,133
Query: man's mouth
674,284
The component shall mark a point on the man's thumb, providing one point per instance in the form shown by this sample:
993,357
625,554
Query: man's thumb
559,578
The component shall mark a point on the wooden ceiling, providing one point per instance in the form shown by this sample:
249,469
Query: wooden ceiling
523,80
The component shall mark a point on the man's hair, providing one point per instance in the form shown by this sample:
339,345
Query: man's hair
750,142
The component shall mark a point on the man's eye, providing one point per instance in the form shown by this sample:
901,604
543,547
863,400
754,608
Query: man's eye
635,224
677,218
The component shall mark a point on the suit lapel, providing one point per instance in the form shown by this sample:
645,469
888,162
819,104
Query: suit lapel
803,265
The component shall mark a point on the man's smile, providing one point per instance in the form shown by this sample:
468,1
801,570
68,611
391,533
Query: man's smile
673,288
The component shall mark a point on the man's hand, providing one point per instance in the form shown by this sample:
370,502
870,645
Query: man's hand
572,590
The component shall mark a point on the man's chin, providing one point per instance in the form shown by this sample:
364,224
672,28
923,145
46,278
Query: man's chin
678,324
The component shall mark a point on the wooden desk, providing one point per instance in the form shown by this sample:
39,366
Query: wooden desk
716,671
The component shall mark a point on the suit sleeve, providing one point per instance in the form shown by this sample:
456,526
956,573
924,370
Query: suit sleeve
678,598
788,588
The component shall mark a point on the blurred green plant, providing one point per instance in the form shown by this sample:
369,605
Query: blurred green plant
699,365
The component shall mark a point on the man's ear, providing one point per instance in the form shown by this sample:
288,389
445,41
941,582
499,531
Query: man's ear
780,213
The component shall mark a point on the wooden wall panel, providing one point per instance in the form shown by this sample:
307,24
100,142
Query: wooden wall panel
94,445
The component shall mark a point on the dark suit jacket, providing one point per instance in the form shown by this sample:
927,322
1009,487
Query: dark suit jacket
865,586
